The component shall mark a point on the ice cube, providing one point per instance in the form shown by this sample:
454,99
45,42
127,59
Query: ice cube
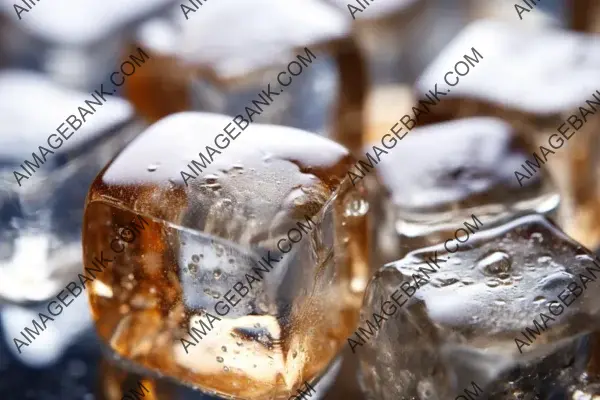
42,192
512,310
436,177
246,270
497,82
76,42
223,56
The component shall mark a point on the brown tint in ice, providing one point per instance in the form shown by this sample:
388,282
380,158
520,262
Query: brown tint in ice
225,55
202,239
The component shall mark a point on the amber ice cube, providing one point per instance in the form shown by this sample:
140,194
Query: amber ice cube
439,175
220,57
42,198
206,252
541,106
512,310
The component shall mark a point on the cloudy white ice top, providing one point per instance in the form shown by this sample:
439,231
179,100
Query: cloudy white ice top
32,107
542,71
80,22
233,37
374,9
176,140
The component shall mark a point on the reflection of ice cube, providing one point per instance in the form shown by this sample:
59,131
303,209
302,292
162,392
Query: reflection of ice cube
49,345
40,214
33,272
461,320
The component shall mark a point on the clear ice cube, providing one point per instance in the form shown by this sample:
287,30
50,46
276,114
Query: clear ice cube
41,209
513,309
438,175
539,106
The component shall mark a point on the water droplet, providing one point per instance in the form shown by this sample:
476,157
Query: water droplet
356,207
539,299
556,281
492,283
239,343
544,259
195,258
294,354
193,268
444,281
497,263
224,348
467,281
583,257
211,179
536,237
217,274
226,369
153,167
220,359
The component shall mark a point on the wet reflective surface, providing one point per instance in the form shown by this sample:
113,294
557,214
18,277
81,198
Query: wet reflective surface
227,303
439,175
463,317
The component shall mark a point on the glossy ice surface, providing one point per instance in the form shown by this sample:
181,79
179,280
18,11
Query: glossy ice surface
502,76
75,42
201,240
79,22
374,10
223,56
440,174
40,220
461,322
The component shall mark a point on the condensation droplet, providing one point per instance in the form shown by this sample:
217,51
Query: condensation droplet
537,237
356,207
496,263
220,359
539,299
195,258
153,167
224,348
492,283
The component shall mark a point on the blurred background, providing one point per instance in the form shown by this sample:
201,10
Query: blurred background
54,54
